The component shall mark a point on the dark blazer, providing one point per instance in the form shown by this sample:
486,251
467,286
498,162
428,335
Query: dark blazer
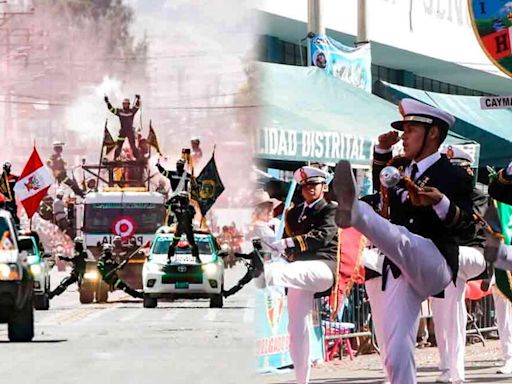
500,188
315,237
455,183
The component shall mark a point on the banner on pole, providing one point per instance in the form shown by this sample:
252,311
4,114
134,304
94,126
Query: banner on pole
352,65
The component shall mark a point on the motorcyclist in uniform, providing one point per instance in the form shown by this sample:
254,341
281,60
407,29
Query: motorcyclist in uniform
108,268
79,262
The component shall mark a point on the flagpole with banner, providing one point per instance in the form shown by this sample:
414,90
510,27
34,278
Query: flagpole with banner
33,183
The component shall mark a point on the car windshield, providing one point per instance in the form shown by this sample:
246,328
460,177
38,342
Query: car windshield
162,245
27,245
6,239
102,217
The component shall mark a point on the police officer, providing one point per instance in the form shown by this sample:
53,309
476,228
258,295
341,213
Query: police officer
184,213
8,182
428,212
176,177
310,245
79,262
108,267
126,115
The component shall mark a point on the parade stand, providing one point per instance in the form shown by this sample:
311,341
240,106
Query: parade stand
309,116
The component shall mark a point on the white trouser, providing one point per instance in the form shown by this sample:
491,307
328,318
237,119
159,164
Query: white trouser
450,315
450,319
418,258
504,260
504,319
396,315
375,297
303,279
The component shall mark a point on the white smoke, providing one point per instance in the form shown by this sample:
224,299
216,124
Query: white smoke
86,115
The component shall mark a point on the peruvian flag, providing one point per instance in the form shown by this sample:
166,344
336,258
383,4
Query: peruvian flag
33,183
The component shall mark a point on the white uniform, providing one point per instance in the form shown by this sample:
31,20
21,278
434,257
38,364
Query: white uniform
303,279
450,316
503,308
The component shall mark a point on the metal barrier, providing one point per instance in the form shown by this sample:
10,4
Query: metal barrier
481,315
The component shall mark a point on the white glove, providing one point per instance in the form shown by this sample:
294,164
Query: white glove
281,245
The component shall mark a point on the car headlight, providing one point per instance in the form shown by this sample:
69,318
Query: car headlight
210,269
154,267
91,275
35,269
9,272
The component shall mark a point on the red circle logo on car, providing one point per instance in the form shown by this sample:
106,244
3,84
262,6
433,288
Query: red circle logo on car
124,226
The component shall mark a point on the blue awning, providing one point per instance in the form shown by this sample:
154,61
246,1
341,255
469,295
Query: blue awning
491,128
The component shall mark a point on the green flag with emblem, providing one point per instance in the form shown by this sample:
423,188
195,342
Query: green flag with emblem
504,278
207,187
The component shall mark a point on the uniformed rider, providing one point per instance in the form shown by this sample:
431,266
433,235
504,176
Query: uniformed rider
108,268
79,261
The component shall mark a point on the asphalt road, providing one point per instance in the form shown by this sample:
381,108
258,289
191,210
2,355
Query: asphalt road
122,342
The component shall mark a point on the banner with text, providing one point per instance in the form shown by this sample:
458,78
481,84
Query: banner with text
352,65
305,145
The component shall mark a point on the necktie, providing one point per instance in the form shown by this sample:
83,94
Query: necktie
414,171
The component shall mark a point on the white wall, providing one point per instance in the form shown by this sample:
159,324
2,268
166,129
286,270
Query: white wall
440,28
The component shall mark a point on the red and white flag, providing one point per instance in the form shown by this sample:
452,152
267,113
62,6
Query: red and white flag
33,183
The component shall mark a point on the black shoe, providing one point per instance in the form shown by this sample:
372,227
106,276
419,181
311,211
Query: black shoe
345,191
492,242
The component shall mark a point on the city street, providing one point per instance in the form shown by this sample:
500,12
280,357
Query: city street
121,342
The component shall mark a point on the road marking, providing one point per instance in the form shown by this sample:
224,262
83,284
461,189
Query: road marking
211,314
100,311
249,311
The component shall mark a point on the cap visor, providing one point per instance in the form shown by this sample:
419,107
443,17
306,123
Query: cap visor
398,125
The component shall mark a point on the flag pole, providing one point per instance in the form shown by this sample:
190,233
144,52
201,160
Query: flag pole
101,156
149,169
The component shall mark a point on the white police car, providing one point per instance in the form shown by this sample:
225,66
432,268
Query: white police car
16,284
40,267
183,276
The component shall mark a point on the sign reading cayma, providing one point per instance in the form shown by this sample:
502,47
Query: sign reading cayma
492,23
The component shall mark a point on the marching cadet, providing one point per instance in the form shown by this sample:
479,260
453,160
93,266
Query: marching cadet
428,211
176,177
500,189
7,189
79,262
126,115
184,213
503,309
449,313
108,268
310,246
